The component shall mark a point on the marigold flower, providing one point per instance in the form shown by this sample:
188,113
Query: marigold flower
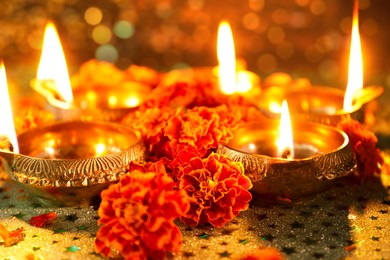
183,94
219,189
142,74
11,238
264,254
151,123
363,142
43,219
147,167
137,216
179,134
200,127
95,73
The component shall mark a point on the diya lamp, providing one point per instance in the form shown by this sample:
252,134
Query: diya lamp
68,163
326,104
235,80
85,103
297,161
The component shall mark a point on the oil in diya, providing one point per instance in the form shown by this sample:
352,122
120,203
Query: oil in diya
85,103
305,162
67,163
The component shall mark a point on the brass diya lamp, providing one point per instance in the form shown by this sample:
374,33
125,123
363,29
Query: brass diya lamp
227,76
67,163
319,155
324,104
70,163
97,103
319,104
84,103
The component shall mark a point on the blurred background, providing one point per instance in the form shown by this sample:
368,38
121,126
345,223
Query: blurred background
306,38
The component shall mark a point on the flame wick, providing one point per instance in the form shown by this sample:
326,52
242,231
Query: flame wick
355,71
7,127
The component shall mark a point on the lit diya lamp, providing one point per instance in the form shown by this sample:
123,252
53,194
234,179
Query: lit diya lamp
325,104
86,103
234,80
67,163
296,161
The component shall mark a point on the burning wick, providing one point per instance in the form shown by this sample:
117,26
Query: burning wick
286,154
5,144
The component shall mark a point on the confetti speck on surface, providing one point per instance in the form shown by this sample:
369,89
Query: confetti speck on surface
73,249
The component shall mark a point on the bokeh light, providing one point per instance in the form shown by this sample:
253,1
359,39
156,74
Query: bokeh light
123,29
107,52
276,35
101,34
299,37
93,15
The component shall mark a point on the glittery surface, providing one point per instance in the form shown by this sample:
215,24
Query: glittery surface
349,220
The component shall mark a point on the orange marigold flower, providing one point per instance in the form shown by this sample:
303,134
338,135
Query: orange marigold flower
151,123
95,73
200,127
264,254
137,216
11,238
148,167
41,220
174,96
177,154
363,142
192,94
219,189
180,134
144,75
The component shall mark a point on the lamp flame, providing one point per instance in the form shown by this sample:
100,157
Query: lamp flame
355,70
52,65
7,127
285,141
226,58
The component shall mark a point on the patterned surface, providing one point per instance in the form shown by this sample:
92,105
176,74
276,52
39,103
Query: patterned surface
348,220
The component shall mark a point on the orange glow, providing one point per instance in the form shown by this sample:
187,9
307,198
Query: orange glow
274,107
100,149
227,59
52,65
285,141
244,83
355,71
7,126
